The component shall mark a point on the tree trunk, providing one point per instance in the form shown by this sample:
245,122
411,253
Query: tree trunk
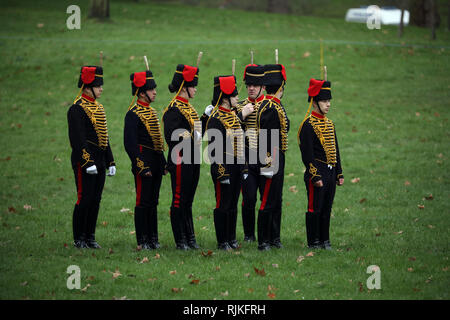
433,19
400,26
279,6
99,9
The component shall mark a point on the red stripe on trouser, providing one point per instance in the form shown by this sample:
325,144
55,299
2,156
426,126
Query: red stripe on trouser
311,197
176,203
79,183
138,189
266,194
217,194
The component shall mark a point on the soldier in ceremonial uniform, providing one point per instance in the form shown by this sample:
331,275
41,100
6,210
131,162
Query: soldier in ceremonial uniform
91,155
247,110
320,154
273,125
182,123
145,146
226,149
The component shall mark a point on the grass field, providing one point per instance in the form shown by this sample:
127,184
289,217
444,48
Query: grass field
391,110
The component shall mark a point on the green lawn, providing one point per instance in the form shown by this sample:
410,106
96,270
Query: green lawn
391,110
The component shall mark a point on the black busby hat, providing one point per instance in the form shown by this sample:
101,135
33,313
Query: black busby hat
90,76
224,86
319,90
254,74
186,75
142,81
274,75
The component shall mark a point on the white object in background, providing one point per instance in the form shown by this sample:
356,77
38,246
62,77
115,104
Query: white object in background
387,15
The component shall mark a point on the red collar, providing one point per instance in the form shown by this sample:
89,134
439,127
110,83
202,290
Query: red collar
273,98
181,99
223,109
143,103
84,96
257,100
317,115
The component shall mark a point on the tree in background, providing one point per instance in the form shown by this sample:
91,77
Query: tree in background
99,9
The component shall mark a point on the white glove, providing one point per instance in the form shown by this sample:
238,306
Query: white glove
112,171
245,175
267,174
226,181
92,169
209,109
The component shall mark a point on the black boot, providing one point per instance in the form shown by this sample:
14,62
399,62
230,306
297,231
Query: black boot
177,222
190,233
312,230
248,222
140,225
79,240
232,221
275,230
220,224
91,242
263,230
153,228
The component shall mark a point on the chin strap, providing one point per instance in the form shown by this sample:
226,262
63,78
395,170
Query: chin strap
92,90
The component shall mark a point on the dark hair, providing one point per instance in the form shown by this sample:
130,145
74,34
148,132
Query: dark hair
272,89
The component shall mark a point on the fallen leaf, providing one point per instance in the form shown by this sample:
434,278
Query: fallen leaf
430,197
24,283
421,206
110,251
293,189
11,209
85,288
296,291
195,281
250,290
431,226
417,114
42,235
310,254
104,223
40,25
116,274
290,175
412,258
144,260
306,54
177,290
407,183
225,294
247,275
400,232
416,290
157,256
27,207
207,254
132,232
410,269
355,180
124,210
300,259
271,295
173,272
260,272
361,288
274,265
362,200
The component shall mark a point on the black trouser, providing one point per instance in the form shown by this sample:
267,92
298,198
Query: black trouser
145,212
249,196
320,201
225,213
89,190
184,178
269,215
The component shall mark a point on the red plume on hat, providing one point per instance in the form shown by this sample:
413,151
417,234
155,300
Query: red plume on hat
88,74
227,84
314,87
283,72
189,73
139,79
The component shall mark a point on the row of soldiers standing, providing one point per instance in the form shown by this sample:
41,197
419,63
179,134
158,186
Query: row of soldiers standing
92,158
